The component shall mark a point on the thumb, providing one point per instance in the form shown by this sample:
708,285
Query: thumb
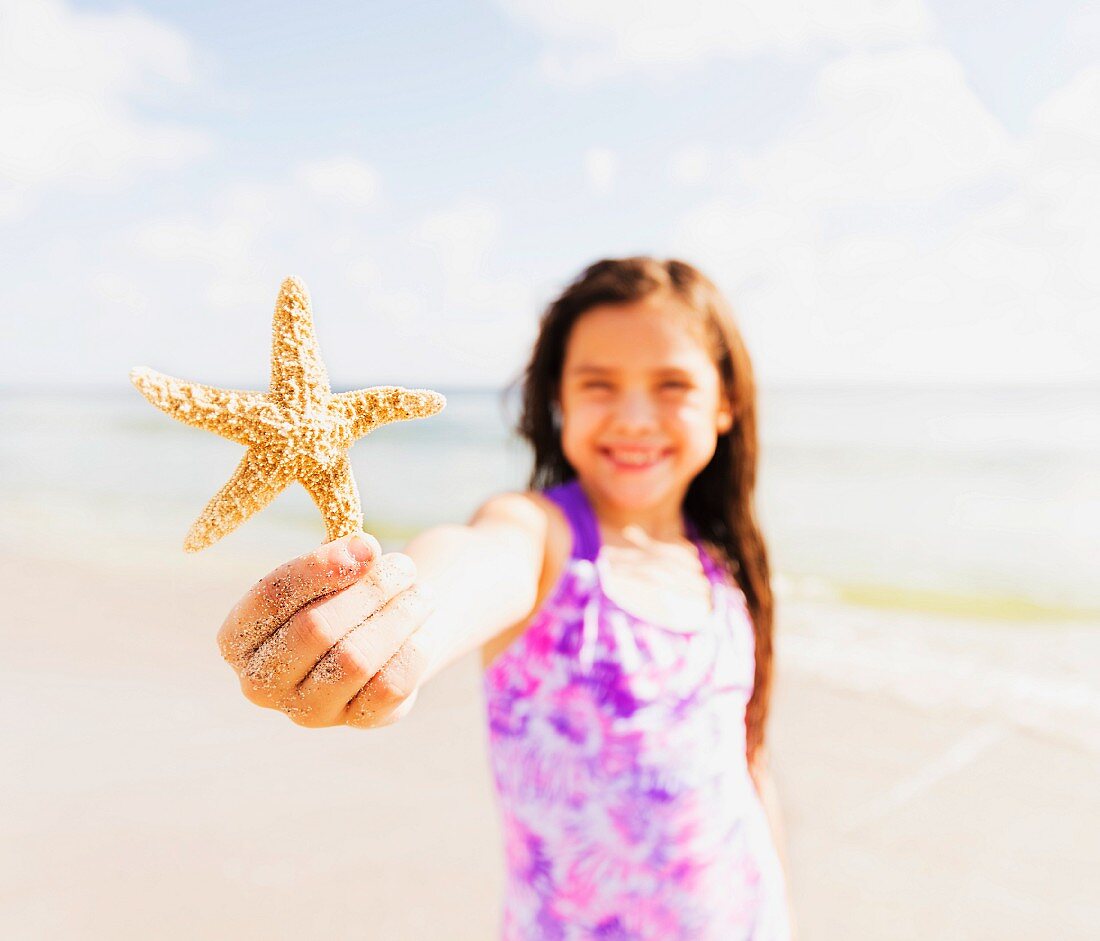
362,547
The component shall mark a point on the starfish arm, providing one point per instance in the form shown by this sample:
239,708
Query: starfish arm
333,489
366,409
226,412
298,376
255,483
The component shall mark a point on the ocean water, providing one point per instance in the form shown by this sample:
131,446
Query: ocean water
903,492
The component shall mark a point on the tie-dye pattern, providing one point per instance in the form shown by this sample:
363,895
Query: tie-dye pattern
617,748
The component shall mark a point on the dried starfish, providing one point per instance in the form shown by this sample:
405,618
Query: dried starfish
297,431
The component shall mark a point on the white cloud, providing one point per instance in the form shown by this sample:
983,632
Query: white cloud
480,323
600,168
1082,31
224,245
251,228
901,125
1070,112
1000,286
464,237
361,268
408,303
588,40
69,81
120,291
691,164
345,179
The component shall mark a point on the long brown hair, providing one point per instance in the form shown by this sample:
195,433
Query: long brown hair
719,500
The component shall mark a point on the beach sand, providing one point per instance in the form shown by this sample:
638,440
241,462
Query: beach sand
925,797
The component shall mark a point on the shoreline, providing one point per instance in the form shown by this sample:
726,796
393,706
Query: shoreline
123,537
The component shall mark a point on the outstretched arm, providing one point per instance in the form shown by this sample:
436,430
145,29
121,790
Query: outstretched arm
484,575
347,636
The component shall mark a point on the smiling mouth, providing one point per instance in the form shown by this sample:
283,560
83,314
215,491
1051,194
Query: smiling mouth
634,460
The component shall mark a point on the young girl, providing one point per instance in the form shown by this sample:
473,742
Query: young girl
623,609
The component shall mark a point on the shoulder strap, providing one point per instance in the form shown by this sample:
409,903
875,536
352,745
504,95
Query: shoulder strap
710,566
574,504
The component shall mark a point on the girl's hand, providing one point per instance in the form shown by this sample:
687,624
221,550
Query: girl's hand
328,637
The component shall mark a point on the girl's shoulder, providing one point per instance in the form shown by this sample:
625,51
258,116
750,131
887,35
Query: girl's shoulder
532,512
547,518
557,535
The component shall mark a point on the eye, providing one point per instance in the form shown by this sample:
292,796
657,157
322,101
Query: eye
675,384
595,384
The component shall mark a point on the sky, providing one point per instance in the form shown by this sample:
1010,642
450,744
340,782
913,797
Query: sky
897,191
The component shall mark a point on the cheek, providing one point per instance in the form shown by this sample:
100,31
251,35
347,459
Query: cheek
689,414
584,416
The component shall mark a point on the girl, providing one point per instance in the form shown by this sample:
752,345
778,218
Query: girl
624,613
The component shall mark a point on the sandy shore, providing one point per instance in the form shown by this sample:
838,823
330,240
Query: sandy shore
145,797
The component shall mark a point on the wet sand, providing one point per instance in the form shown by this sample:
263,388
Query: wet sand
145,797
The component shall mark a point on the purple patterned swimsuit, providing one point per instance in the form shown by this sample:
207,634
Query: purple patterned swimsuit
617,748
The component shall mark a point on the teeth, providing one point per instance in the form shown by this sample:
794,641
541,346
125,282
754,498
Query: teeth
634,458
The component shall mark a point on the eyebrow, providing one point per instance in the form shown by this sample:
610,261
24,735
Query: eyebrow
584,368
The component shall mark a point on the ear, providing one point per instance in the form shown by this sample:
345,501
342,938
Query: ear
725,419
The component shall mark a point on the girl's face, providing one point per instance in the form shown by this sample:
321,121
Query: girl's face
642,405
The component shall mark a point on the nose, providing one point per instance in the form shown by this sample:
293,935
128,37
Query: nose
635,410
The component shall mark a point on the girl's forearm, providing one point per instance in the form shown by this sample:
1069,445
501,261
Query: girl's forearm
443,557
481,582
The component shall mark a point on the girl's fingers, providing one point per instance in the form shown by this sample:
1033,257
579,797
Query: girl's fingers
282,661
390,694
379,655
290,587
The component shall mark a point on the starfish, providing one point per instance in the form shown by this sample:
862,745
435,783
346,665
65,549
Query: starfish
299,430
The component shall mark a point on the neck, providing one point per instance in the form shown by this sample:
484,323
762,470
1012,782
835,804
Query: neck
662,522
